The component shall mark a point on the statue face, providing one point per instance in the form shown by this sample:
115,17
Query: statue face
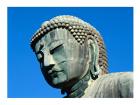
62,59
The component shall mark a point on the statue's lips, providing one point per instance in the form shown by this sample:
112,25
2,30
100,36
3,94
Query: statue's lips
50,72
53,70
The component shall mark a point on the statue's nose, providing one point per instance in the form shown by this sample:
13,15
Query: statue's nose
49,67
48,60
48,63
46,69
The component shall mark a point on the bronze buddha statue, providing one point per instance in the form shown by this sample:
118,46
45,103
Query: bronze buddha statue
72,57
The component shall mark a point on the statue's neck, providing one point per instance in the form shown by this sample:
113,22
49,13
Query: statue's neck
78,89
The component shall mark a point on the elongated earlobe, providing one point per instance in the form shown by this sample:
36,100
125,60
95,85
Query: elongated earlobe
94,55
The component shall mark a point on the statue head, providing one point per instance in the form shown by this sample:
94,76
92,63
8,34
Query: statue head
67,49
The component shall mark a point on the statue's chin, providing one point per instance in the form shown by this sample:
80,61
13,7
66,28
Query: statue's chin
57,82
62,83
59,85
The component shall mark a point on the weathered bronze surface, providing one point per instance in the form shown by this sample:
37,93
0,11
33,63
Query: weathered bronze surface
72,57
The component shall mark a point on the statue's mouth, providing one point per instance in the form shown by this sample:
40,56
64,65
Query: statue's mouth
54,73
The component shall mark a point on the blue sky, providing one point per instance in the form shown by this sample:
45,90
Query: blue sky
24,75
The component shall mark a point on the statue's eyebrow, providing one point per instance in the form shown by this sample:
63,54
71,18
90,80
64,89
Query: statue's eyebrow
55,41
55,44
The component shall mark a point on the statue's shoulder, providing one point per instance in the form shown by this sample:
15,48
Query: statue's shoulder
113,85
119,76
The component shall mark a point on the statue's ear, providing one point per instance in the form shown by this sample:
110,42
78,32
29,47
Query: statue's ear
93,56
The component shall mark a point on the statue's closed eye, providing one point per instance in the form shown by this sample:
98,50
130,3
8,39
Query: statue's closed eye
55,49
